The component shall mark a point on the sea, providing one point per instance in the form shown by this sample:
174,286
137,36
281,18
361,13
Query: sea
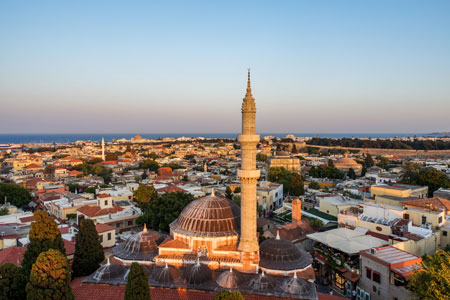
34,138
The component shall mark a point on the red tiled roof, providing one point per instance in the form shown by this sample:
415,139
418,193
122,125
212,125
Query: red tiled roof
429,203
75,172
27,219
109,162
103,227
171,189
12,255
70,247
33,166
103,196
63,230
95,211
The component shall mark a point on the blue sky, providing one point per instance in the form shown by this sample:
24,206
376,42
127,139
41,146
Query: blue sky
180,66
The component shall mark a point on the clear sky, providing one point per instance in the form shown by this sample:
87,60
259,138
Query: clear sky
180,66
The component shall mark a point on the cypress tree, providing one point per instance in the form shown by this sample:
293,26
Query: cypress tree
11,282
50,278
137,285
44,235
88,250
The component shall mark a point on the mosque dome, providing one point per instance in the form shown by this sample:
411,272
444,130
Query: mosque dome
197,273
228,279
165,274
346,161
110,273
283,255
140,246
208,217
262,282
295,286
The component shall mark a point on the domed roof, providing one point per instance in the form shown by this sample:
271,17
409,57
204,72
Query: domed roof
197,273
165,274
140,246
262,282
228,279
346,161
110,273
281,254
295,286
208,216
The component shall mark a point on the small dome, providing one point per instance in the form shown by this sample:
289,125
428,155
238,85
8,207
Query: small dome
110,273
295,286
228,279
208,216
262,282
281,254
167,274
346,161
140,246
197,273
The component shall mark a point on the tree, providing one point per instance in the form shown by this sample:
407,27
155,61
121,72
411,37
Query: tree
44,235
11,282
331,163
368,161
280,175
351,174
164,209
296,187
433,283
90,189
227,295
137,284
294,149
261,157
144,194
228,193
88,250
111,156
15,194
314,185
50,278
434,179
237,190
316,223
149,164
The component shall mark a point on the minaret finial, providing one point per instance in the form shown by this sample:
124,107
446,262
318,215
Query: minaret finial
278,235
213,194
145,227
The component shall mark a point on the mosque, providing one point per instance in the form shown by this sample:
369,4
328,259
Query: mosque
213,245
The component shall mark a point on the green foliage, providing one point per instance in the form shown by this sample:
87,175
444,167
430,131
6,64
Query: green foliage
237,190
173,166
280,175
314,185
331,163
296,186
368,161
96,169
236,200
434,179
261,157
44,235
71,216
90,189
351,173
11,282
228,193
164,209
3,212
382,143
50,278
111,156
383,162
15,194
433,283
73,187
137,285
144,195
316,223
149,164
227,295
88,250
326,172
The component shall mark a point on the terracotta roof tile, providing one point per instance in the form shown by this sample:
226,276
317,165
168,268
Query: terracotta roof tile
12,255
95,211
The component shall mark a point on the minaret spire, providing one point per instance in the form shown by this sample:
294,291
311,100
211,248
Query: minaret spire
248,174
103,149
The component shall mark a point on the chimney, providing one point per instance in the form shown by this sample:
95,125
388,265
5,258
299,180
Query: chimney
296,211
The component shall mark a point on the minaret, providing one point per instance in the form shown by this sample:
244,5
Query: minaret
248,174
103,149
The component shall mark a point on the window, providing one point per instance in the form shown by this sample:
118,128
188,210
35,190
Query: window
101,238
444,233
118,225
130,223
106,202
368,273
406,216
109,236
424,219
374,288
440,219
376,277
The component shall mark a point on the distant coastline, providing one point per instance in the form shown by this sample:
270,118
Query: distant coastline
23,138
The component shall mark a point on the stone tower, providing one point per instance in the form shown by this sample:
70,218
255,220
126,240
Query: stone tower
103,149
248,174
